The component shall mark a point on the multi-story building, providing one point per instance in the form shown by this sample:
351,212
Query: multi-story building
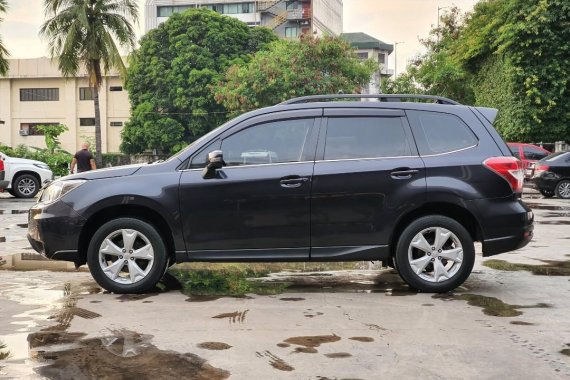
288,18
368,47
34,92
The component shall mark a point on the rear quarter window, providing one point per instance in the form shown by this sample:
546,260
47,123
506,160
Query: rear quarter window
437,132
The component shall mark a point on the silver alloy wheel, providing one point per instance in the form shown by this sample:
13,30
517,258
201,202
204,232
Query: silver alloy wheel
435,254
26,186
564,190
126,256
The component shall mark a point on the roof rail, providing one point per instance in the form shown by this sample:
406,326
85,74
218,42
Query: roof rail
380,97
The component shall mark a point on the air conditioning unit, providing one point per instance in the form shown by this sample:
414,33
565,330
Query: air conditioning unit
24,132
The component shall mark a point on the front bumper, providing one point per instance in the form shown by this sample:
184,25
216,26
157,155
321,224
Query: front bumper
546,181
53,230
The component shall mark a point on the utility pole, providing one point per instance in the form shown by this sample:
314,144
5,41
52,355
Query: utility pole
396,58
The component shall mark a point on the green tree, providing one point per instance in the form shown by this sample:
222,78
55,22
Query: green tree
170,78
86,33
288,69
3,51
51,135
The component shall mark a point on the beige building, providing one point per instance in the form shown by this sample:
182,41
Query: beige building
287,18
34,92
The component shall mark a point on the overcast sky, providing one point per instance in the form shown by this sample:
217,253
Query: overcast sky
388,20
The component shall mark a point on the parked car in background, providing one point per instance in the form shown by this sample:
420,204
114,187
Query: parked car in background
528,154
21,177
413,184
552,175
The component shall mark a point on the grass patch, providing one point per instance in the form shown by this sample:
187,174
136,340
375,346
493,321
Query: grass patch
550,268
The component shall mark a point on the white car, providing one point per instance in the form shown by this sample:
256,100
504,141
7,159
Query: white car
21,177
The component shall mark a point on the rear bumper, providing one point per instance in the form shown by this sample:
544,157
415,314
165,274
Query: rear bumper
53,231
506,224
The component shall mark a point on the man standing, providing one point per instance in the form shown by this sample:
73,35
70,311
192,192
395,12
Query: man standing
84,159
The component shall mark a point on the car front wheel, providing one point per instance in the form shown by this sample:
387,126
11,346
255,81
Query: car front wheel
127,256
563,189
435,254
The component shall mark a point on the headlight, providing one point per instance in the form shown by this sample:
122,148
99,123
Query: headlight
58,189
42,166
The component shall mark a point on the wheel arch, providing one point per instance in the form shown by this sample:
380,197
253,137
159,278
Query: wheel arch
23,172
450,210
143,213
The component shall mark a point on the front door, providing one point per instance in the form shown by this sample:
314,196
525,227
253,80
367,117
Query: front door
257,207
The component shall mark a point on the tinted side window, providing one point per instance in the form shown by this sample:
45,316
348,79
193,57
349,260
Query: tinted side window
515,151
437,132
272,142
532,153
365,137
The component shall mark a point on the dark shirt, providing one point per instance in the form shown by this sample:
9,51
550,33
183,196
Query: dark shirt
83,158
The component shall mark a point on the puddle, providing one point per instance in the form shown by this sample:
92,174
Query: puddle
550,268
291,299
275,361
309,343
566,351
2,239
283,345
310,314
338,355
542,206
491,306
22,225
134,297
14,212
32,261
236,316
428,304
554,222
364,339
217,346
522,323
122,355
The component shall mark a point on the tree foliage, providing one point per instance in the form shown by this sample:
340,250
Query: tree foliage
3,51
85,33
170,77
293,68
509,54
51,135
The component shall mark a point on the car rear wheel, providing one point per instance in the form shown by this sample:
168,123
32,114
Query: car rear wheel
547,193
563,189
127,256
25,186
435,254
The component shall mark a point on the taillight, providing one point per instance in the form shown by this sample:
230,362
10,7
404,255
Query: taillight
540,168
509,168
1,165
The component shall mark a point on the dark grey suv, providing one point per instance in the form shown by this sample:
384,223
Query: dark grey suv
411,183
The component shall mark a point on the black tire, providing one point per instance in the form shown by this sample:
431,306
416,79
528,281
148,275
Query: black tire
547,193
11,192
405,254
25,186
146,235
563,189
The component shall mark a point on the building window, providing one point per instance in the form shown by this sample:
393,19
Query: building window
85,93
116,124
292,32
39,94
247,8
233,8
169,11
116,88
382,58
362,55
29,129
292,5
87,121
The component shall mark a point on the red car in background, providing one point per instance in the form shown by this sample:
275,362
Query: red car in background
528,154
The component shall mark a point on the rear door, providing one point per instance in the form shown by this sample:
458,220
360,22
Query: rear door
367,174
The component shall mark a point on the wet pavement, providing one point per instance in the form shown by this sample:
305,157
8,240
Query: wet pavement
509,320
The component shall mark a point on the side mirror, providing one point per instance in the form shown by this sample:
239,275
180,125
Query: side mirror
214,162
